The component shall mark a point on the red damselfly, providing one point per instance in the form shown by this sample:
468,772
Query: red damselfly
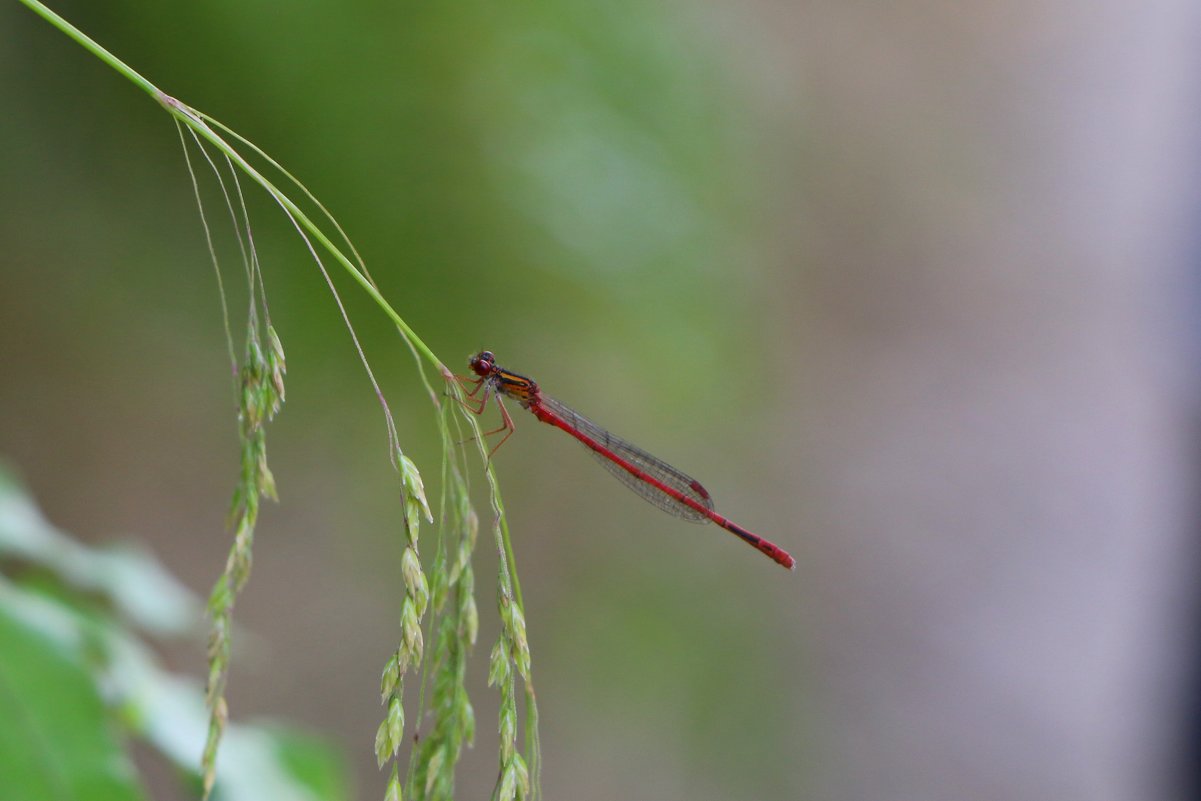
663,485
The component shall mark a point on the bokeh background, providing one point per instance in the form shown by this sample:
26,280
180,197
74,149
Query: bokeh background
911,287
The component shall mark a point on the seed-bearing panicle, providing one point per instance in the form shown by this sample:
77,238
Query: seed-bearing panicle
454,630
260,396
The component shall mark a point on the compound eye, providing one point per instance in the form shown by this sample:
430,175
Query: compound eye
482,363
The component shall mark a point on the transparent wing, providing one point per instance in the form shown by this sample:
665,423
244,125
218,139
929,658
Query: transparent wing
666,474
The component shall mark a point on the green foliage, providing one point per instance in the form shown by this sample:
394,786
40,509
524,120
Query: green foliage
57,740
78,682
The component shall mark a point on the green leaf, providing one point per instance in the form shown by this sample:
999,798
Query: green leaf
59,650
128,576
312,763
56,741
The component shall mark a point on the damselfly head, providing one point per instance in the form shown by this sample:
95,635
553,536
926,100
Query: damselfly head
483,363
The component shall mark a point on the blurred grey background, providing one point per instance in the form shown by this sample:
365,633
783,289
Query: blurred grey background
911,287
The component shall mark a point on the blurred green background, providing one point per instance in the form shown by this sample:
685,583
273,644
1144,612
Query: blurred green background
865,272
